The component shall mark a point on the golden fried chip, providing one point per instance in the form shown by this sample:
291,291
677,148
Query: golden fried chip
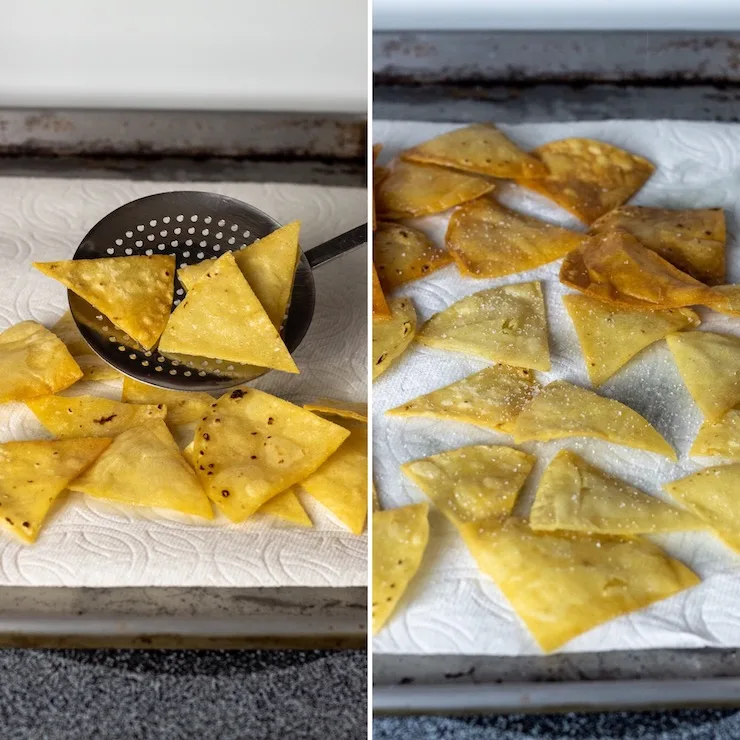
252,446
479,148
269,266
221,317
402,254
691,240
334,407
288,507
719,438
472,484
87,416
611,336
588,178
135,293
504,324
412,190
577,497
93,368
34,362
143,467
183,407
564,584
490,398
563,410
487,240
33,474
709,364
381,310
392,337
400,537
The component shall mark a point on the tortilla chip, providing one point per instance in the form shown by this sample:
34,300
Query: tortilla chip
333,407
719,438
504,324
577,497
288,507
33,474
87,416
252,446
144,467
563,410
269,266
724,299
490,398
713,495
588,178
183,407
222,318
189,454
340,484
564,584
691,240
610,336
480,148
381,310
487,240
392,337
402,254
472,484
400,537
34,362
414,190
93,368
135,293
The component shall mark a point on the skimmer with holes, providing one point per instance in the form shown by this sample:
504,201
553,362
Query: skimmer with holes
192,226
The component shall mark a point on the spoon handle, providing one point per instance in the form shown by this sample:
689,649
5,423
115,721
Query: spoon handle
337,246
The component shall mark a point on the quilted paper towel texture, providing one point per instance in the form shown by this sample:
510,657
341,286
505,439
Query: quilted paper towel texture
92,543
450,607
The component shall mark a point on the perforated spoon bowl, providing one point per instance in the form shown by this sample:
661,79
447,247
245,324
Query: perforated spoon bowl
192,226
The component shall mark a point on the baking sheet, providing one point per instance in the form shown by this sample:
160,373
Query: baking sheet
450,607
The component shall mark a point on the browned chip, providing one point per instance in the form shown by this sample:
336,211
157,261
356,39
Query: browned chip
380,305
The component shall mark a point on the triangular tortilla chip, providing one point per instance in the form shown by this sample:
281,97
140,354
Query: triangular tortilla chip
269,266
472,484
588,178
144,467
400,537
719,438
221,317
252,446
691,240
504,324
713,494
611,336
93,368
334,407
413,190
563,410
577,497
709,364
490,398
340,484
391,337
288,507
402,254
183,407
564,584
87,416
381,310
479,148
34,362
487,240
33,474
135,293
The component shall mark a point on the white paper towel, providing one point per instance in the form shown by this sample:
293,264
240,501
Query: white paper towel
450,607
93,543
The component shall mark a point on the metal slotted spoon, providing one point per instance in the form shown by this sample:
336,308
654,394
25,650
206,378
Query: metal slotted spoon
192,226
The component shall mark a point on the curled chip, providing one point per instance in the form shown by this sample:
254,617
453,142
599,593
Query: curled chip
412,190
480,148
719,438
504,324
588,178
288,507
333,407
381,310
34,362
472,484
577,497
400,537
488,240
391,337
183,407
691,240
563,410
611,336
402,254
